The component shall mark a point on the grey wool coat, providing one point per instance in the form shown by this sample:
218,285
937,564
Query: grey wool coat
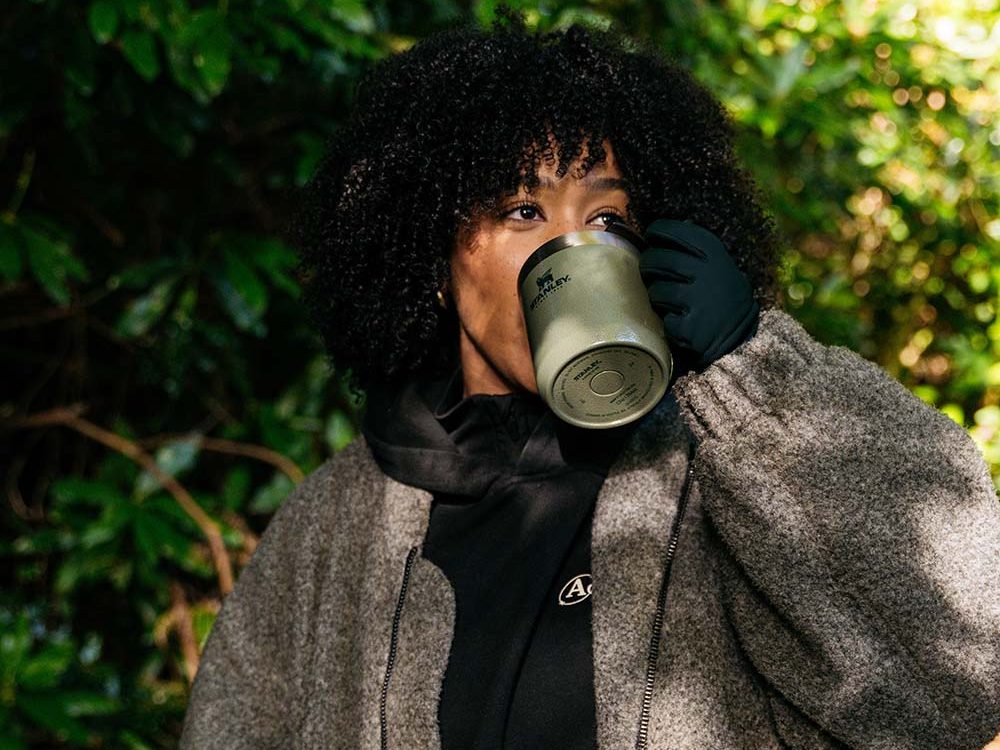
792,551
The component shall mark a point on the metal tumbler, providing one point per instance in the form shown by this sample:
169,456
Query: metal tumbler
598,348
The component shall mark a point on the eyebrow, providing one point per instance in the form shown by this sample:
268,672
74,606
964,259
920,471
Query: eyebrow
592,184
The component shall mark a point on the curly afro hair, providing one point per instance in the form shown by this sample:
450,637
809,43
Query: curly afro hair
444,130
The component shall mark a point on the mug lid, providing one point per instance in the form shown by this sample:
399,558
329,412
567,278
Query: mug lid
624,230
623,236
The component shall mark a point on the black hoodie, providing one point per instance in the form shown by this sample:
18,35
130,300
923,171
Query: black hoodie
514,490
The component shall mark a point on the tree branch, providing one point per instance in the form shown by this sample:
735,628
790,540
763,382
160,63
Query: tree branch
181,613
235,448
69,417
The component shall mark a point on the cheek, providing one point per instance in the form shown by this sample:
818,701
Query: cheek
485,286
491,304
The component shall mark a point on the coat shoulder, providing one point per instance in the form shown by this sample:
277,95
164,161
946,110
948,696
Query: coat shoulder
348,481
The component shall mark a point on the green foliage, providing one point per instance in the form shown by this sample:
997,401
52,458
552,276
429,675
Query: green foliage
33,667
150,151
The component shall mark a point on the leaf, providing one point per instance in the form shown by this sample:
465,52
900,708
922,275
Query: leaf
181,68
132,741
236,487
103,20
339,431
131,9
88,703
146,539
202,620
792,67
67,576
276,259
197,25
485,11
173,458
49,710
144,312
75,490
121,574
142,275
246,281
46,667
312,153
95,536
241,292
62,706
212,57
584,17
833,77
15,643
139,49
156,537
354,15
285,39
51,264
84,566
81,72
42,541
270,496
165,507
200,53
183,314
174,543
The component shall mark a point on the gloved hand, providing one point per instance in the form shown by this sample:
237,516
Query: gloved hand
705,300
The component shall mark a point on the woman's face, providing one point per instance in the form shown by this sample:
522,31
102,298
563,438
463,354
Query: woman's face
493,342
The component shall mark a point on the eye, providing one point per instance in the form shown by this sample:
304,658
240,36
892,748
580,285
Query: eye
613,217
529,212
525,211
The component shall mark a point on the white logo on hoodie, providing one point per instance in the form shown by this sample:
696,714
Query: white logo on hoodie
576,589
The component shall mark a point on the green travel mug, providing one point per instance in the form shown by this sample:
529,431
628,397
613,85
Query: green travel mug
598,348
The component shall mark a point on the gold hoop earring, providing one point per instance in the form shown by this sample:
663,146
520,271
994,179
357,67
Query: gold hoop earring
441,301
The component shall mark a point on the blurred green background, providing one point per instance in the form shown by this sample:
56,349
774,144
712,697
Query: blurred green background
163,390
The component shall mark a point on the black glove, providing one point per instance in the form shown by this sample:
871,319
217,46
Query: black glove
705,300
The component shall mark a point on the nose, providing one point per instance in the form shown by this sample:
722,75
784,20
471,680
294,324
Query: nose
556,227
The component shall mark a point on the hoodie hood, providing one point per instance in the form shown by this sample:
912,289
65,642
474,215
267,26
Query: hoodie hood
424,433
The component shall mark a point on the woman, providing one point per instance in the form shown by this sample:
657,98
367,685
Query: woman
790,550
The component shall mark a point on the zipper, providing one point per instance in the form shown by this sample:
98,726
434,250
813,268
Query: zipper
642,738
383,735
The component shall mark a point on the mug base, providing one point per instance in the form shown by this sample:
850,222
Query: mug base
608,386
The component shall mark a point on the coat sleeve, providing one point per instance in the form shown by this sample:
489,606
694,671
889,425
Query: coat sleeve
241,697
859,538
